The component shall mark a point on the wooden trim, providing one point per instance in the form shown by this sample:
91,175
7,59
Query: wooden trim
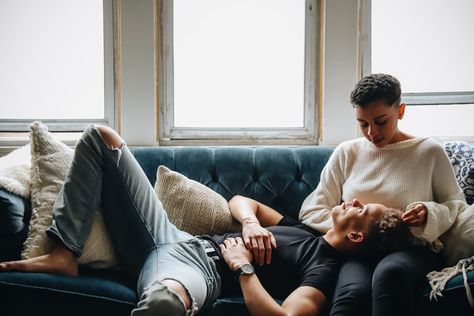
118,63
158,27
320,61
313,98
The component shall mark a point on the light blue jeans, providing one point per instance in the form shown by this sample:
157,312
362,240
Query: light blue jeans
150,248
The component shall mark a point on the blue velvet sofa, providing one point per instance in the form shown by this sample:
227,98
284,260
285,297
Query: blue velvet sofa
278,176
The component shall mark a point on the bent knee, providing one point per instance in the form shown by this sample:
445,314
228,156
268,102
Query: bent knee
351,300
110,136
159,300
393,272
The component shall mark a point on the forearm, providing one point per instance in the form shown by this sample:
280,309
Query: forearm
246,210
257,299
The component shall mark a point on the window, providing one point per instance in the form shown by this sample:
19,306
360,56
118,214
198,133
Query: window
56,64
427,45
241,71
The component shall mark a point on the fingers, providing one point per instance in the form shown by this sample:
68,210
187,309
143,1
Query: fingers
415,216
261,247
248,243
259,243
268,251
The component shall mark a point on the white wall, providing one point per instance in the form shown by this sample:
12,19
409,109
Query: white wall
138,94
340,71
138,72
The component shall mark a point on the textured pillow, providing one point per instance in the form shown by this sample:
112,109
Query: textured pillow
461,155
50,161
15,172
458,241
191,206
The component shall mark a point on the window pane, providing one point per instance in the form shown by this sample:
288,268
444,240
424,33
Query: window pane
441,120
51,59
427,44
239,63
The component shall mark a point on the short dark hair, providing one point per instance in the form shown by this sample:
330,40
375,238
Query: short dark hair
376,87
388,234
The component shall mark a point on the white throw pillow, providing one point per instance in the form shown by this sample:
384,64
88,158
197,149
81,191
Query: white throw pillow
50,161
15,172
191,206
458,241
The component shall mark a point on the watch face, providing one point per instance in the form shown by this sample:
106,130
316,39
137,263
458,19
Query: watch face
247,269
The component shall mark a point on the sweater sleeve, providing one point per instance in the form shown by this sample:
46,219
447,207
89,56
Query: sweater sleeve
448,199
316,209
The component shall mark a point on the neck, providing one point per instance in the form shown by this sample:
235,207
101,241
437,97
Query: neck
338,241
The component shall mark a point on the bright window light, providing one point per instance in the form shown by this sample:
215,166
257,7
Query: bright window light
239,63
51,59
427,44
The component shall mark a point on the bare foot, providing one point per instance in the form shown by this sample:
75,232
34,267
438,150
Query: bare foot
59,261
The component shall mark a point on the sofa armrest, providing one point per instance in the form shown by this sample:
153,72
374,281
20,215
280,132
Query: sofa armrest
15,213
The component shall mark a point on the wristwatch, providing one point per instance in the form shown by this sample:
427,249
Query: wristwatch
244,269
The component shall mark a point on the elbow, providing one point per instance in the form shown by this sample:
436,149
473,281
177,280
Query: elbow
236,200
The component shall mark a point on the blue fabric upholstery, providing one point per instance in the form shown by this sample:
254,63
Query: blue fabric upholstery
94,293
281,177
15,214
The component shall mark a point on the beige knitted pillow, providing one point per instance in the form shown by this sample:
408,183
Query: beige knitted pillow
458,241
50,161
191,206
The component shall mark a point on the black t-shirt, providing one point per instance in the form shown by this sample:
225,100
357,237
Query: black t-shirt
302,258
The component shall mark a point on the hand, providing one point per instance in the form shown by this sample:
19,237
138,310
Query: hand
416,216
234,252
260,241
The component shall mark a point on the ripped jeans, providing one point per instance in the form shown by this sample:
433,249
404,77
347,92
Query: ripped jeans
150,248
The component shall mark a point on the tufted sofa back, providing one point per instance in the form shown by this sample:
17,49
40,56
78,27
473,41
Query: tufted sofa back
281,177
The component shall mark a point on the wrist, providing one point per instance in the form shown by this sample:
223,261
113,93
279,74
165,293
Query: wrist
237,264
249,221
245,269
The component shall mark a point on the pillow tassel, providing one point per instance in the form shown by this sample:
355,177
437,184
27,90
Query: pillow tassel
438,280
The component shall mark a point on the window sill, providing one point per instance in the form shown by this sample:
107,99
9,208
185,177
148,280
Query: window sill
16,139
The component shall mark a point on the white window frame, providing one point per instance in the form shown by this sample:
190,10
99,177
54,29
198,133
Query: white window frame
308,134
412,99
110,108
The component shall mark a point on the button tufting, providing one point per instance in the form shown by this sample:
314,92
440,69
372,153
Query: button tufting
255,176
299,175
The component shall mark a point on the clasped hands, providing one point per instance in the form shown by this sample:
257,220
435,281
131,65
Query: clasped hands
256,243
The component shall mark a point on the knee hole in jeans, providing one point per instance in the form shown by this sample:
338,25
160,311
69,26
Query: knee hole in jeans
110,137
160,300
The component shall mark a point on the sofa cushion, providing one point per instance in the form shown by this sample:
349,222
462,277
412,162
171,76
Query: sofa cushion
94,293
461,155
15,214
191,206
15,172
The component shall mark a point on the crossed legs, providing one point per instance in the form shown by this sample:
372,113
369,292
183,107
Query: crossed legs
91,165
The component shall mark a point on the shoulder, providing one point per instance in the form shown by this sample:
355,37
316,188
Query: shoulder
349,147
432,147
353,143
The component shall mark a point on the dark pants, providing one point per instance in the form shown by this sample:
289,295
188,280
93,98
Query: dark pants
387,287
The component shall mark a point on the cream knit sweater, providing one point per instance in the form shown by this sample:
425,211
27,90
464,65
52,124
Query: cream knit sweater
398,175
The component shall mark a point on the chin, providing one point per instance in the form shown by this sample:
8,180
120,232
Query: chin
381,144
